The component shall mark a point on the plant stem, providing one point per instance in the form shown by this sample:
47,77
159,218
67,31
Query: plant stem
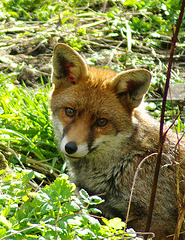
161,134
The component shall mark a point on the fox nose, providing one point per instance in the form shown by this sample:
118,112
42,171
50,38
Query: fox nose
71,147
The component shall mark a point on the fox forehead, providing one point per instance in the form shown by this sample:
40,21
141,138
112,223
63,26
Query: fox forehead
97,99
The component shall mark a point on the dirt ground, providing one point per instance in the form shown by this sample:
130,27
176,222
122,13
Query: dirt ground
26,51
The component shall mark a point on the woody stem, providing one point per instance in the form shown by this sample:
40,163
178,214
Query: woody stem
161,134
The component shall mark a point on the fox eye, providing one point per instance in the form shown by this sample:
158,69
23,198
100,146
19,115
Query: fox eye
102,122
70,112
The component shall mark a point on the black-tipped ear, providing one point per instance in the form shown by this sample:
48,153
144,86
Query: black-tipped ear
68,66
131,86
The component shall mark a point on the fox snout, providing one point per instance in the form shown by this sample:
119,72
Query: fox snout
71,147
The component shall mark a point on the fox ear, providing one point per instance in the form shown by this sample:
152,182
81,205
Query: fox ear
68,66
131,86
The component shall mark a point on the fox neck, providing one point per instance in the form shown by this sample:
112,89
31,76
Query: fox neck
105,164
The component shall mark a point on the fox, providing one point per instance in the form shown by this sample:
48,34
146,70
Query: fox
104,132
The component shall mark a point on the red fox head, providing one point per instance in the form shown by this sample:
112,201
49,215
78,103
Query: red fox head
92,108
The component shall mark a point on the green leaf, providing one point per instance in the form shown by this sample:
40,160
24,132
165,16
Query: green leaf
94,210
72,206
27,177
84,195
35,149
46,208
53,164
2,232
76,221
5,222
85,232
90,220
131,232
115,223
95,200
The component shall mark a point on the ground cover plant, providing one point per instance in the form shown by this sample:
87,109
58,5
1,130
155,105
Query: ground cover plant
52,212
114,34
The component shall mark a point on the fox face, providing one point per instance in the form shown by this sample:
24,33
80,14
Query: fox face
92,108
88,120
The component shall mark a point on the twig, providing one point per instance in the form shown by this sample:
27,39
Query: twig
173,123
35,48
133,187
26,229
104,6
133,184
180,220
8,149
161,135
181,209
179,140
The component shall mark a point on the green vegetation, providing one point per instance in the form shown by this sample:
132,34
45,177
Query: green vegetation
51,212
114,34
25,123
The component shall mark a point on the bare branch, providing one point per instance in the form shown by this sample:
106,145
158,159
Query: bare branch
161,134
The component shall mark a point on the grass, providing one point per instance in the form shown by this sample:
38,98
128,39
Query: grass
26,127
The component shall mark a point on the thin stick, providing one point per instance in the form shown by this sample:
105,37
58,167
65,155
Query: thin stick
161,135
133,185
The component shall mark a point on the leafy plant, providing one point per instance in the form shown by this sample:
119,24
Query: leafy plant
52,212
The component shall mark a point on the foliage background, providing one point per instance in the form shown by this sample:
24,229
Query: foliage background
113,34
